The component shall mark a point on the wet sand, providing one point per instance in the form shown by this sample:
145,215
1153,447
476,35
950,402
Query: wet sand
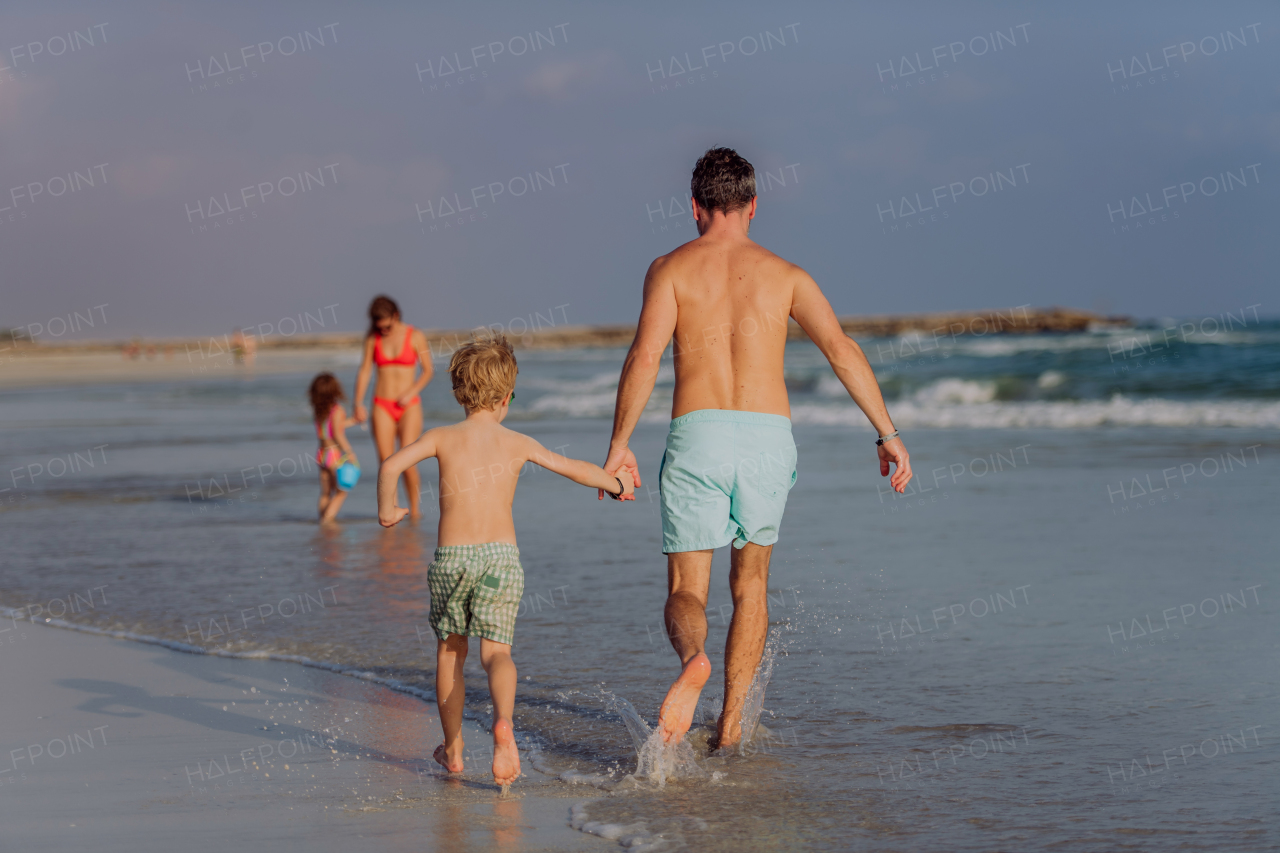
116,745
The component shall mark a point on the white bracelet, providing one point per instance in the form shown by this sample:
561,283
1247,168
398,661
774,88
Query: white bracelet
890,437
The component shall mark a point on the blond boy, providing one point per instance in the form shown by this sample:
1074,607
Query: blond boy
476,580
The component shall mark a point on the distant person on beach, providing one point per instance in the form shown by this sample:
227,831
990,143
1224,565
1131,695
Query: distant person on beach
730,458
476,579
396,349
331,423
243,348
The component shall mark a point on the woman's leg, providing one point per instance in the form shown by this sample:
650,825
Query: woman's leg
410,428
384,432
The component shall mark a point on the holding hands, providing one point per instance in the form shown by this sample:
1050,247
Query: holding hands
621,463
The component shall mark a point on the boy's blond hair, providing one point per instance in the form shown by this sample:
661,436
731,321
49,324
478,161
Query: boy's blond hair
483,373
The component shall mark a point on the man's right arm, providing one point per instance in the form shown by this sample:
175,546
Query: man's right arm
810,308
640,370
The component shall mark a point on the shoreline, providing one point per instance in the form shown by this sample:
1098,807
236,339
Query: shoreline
1018,320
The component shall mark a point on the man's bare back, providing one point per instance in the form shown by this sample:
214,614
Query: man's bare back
733,301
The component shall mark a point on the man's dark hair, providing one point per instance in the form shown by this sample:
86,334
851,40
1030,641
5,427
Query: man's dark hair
723,180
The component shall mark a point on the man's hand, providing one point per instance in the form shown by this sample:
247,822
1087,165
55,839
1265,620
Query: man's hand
895,452
622,457
393,518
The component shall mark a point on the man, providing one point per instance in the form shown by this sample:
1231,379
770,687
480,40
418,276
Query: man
730,459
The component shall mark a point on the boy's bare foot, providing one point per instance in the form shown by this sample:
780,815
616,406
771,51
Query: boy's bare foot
506,758
677,709
452,763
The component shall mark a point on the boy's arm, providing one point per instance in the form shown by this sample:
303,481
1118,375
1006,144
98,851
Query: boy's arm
581,472
389,475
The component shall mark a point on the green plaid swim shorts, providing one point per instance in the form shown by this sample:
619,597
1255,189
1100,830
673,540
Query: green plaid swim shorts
476,590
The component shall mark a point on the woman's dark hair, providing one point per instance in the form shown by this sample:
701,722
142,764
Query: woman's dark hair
325,392
723,180
381,308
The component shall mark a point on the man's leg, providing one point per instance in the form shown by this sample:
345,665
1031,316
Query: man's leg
688,574
749,586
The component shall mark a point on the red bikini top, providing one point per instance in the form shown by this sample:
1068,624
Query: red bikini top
408,355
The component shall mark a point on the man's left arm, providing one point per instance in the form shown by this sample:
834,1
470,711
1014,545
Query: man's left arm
810,308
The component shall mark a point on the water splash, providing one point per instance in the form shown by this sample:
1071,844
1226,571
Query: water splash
753,704
656,761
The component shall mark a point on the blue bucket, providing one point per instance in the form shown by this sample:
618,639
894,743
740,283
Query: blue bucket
348,476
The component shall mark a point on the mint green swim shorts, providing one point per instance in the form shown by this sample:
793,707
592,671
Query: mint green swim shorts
725,478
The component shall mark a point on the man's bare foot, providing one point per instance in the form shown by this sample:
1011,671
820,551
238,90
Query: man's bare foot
452,763
506,758
677,709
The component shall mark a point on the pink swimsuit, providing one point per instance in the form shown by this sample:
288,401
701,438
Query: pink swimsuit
330,455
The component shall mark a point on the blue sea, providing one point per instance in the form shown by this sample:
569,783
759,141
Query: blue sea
1065,634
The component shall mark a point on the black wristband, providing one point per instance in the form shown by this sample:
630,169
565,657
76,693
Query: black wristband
621,489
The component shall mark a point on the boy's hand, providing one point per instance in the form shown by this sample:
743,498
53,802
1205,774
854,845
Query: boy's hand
628,482
393,518
622,458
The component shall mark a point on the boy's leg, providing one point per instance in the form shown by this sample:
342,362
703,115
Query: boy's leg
496,659
451,654
688,575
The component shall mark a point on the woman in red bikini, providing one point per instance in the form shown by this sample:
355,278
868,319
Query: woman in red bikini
397,349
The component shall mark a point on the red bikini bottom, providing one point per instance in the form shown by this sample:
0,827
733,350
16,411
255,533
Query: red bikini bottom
391,407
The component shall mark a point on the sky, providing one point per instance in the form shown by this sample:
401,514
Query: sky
171,168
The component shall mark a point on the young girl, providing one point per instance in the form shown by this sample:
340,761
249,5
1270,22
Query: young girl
331,423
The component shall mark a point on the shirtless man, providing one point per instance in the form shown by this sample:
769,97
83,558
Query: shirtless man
730,459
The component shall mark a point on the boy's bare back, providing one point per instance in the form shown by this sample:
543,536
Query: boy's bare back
480,464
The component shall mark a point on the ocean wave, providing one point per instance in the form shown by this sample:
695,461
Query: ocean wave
912,345
1119,411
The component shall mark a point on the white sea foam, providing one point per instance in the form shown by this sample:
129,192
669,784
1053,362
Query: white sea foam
944,392
1051,379
632,836
1119,411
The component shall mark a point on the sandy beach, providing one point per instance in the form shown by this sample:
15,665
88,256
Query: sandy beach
114,745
